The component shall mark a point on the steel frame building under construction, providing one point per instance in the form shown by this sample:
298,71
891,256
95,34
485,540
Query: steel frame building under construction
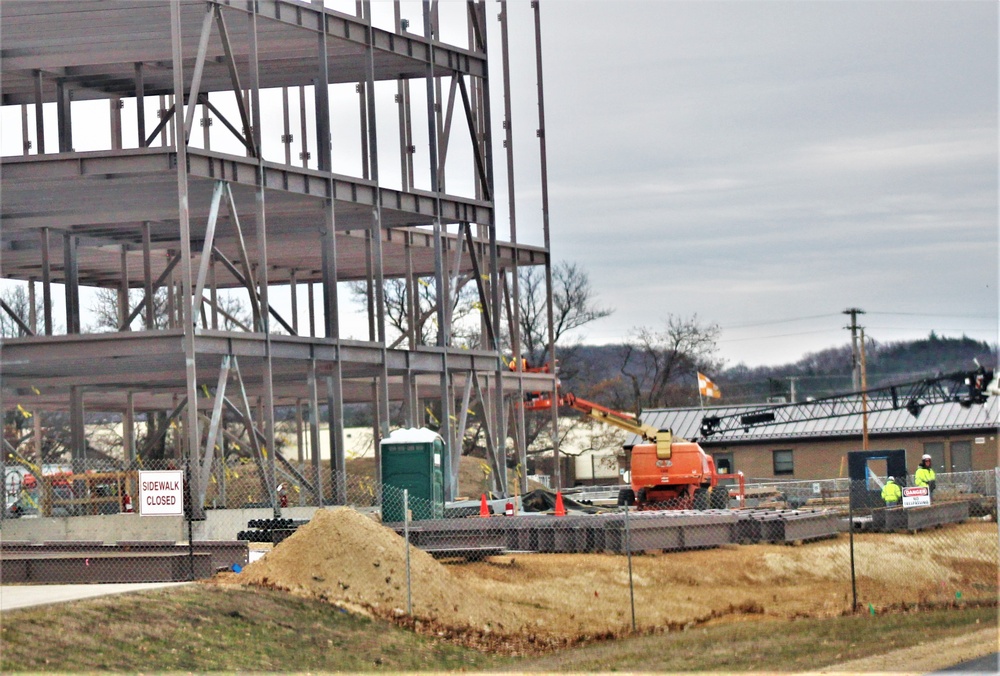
160,212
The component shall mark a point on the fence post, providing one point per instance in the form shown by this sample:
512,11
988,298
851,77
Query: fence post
406,536
189,509
628,553
850,528
996,504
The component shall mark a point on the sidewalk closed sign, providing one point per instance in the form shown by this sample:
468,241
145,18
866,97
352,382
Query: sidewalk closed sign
916,496
161,493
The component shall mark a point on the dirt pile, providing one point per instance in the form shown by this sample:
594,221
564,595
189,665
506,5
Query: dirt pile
528,603
346,558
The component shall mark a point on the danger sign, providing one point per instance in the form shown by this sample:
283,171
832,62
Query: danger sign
916,496
161,493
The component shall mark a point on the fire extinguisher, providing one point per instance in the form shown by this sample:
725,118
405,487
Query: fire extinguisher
509,508
127,503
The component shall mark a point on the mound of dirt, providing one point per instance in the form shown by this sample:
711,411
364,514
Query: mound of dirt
528,603
346,558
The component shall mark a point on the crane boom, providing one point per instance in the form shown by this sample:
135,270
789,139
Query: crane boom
626,421
964,387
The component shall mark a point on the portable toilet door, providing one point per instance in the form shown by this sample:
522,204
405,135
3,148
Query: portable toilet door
413,459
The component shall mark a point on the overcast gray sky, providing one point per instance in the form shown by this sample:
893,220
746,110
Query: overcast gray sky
755,162
764,165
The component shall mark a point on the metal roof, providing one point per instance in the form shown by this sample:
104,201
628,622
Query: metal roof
686,423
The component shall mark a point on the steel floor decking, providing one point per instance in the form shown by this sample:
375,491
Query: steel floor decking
672,530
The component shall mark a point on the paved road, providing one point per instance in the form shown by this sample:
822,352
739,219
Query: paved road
987,664
25,596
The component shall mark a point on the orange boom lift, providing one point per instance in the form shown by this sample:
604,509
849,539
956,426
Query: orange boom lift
667,472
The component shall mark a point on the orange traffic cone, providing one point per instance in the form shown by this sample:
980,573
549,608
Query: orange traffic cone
484,509
560,507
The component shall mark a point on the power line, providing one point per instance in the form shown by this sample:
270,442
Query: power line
917,328
780,335
931,314
778,321
834,331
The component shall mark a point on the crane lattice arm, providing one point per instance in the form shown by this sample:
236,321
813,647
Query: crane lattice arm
965,388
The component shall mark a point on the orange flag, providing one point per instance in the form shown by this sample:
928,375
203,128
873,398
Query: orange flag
707,388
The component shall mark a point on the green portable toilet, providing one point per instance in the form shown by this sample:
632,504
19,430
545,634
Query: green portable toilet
413,459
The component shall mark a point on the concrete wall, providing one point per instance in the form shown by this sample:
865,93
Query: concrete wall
220,524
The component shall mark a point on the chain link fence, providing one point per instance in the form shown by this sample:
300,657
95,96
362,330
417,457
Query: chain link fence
523,573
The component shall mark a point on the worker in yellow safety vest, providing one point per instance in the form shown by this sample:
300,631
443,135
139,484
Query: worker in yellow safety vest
924,476
892,494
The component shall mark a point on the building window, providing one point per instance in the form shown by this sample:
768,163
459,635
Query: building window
783,464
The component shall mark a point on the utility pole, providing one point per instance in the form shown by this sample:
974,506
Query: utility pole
855,358
791,390
864,396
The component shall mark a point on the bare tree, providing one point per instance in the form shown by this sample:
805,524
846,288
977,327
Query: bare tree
573,306
104,310
16,298
464,310
105,317
660,367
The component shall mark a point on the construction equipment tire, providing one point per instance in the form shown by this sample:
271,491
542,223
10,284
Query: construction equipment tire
626,496
700,499
719,498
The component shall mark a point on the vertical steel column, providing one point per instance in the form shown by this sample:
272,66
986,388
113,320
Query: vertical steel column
116,122
331,306
444,329
213,293
206,125
140,105
262,265
557,472
25,141
314,418
409,380
299,433
376,230
286,137
184,309
160,113
39,114
123,304
335,403
312,309
403,108
520,441
304,144
147,277
293,288
128,428
78,452
46,281
499,410
64,117
71,273
32,306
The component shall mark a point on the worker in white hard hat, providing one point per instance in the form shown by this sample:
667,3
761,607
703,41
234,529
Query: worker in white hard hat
892,494
924,476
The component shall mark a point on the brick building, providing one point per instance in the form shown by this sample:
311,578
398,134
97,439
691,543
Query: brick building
959,439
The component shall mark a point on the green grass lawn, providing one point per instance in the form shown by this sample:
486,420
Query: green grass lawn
204,628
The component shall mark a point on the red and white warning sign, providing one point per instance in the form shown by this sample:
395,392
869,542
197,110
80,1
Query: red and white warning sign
916,496
161,493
